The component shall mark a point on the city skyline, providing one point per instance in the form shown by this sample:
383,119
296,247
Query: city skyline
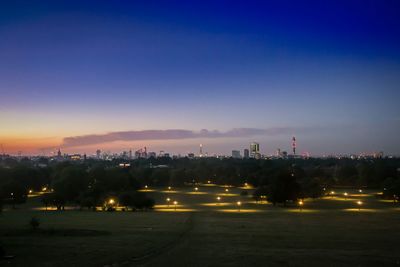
171,76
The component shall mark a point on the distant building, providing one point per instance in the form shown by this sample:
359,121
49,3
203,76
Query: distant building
246,153
59,155
254,149
75,157
236,154
152,155
191,155
98,153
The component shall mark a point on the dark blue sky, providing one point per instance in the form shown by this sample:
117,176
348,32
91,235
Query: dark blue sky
327,70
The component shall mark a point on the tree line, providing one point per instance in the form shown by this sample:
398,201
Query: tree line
89,183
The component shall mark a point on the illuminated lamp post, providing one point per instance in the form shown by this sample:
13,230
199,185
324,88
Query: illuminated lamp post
301,203
239,204
359,203
218,199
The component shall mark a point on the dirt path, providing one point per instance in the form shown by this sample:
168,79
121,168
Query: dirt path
171,255
155,254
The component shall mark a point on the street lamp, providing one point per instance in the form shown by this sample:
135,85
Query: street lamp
239,204
111,201
360,191
226,190
196,189
169,188
168,200
345,195
301,203
146,186
359,203
332,193
218,199
175,203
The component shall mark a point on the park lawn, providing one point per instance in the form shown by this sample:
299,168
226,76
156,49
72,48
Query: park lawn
120,236
204,232
331,238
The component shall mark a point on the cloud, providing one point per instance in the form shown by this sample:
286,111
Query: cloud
172,134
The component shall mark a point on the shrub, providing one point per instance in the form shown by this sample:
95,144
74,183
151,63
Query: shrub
34,223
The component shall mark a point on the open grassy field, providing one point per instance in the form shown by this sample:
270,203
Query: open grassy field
203,231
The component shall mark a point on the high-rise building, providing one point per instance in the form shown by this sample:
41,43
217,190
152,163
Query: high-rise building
246,153
294,145
98,152
201,151
254,149
236,154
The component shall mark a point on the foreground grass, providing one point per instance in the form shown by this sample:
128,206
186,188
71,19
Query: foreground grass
121,236
203,232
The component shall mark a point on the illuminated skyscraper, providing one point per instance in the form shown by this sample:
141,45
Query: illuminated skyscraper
254,149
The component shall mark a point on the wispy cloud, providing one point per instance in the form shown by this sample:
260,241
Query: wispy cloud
172,134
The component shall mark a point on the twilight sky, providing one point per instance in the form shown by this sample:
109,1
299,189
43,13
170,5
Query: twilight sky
169,75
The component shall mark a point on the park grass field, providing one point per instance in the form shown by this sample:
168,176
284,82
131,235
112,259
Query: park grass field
203,231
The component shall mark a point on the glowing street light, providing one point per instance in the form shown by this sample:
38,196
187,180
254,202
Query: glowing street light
146,186
209,182
360,191
226,190
359,203
345,195
218,199
44,189
168,200
246,184
30,191
169,188
196,189
175,203
301,203
239,204
111,201
332,193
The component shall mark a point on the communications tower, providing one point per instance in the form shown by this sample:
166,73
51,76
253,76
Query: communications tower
294,145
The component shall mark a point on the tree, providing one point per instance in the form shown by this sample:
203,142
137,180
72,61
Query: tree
14,193
391,188
283,188
310,187
136,200
260,193
71,182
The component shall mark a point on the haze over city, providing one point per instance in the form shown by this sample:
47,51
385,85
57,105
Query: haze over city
119,75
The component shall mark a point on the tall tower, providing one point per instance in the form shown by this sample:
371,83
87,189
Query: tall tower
201,150
294,145
254,149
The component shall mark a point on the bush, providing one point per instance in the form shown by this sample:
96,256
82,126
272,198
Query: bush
34,223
